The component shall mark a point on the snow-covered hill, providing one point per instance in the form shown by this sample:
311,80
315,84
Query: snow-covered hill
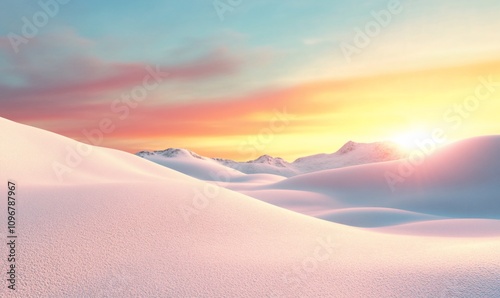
349,155
461,180
96,222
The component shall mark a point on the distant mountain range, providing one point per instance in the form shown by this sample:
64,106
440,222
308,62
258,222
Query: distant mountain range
350,154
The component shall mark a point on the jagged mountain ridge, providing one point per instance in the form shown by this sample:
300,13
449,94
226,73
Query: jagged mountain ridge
170,152
350,154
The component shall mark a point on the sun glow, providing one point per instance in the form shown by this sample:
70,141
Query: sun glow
408,140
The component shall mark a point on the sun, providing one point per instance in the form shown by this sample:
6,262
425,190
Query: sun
408,140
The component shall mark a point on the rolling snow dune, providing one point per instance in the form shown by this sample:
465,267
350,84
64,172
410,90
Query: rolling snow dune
446,228
26,153
373,217
459,180
201,169
305,202
120,226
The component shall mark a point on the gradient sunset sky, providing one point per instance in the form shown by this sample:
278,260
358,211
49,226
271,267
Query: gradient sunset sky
228,77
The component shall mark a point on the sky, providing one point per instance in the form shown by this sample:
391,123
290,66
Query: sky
239,78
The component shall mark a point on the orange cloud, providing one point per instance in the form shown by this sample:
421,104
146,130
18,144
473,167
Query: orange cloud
326,114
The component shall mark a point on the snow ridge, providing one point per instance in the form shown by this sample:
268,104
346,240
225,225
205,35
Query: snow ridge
350,154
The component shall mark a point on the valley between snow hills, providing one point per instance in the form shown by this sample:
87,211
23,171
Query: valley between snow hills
173,223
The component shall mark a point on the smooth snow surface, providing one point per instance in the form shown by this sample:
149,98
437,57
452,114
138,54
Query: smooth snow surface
118,225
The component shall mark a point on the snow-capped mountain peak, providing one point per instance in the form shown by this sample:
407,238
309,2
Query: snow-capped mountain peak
269,160
170,152
348,147
349,154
